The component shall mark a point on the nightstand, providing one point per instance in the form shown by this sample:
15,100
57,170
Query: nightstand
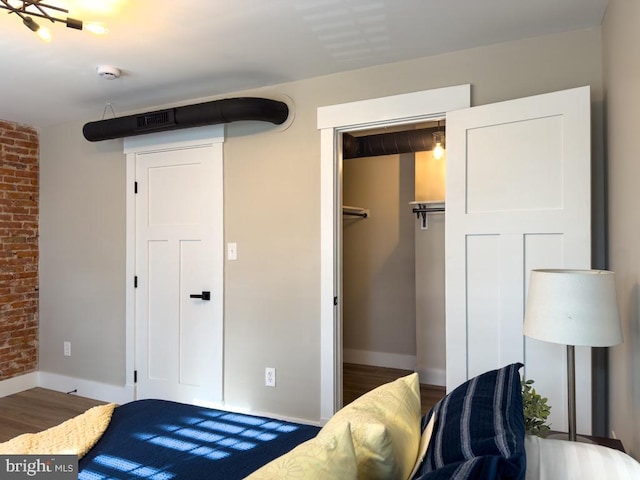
605,442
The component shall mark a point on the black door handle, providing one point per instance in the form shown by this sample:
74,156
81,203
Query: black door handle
203,295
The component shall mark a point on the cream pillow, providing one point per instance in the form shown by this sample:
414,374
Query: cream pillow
385,428
330,457
425,438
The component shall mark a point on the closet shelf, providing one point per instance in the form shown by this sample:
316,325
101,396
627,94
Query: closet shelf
355,211
421,209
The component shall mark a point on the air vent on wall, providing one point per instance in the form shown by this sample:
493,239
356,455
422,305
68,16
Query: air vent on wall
208,113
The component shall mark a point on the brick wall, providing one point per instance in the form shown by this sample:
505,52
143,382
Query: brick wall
19,166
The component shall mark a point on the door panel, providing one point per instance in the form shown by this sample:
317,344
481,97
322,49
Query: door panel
483,253
179,254
518,198
160,324
192,343
534,182
548,249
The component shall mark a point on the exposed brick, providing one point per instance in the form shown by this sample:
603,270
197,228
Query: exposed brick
19,209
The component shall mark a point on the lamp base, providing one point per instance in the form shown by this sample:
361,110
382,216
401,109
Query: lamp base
565,436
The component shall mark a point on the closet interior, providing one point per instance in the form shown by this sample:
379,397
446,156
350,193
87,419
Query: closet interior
393,308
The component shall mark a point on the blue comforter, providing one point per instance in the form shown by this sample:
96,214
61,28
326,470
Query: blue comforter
161,440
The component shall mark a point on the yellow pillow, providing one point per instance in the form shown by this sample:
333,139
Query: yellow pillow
385,428
328,458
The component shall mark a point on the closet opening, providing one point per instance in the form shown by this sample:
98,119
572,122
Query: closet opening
393,296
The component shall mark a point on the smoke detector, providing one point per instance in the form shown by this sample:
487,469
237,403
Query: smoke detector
109,72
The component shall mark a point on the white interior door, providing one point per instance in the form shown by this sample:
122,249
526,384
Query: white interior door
179,296
518,198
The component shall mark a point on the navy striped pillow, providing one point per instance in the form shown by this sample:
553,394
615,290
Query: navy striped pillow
479,430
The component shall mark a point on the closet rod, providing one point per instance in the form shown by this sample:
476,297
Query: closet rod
356,214
355,211
428,210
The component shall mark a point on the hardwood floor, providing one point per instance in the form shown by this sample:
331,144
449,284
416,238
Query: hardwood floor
38,409
359,379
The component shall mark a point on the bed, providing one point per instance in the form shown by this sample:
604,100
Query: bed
475,432
164,440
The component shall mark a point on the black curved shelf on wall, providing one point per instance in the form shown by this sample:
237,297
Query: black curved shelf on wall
200,114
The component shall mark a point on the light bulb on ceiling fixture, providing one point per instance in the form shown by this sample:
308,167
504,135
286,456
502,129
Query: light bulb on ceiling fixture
95,28
32,25
438,145
44,34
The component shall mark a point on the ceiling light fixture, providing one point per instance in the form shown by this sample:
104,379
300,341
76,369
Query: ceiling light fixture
27,9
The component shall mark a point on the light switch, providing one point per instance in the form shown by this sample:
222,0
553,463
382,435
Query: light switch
232,251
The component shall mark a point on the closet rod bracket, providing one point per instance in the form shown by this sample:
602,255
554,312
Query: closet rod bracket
423,209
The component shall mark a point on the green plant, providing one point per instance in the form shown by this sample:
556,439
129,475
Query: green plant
536,410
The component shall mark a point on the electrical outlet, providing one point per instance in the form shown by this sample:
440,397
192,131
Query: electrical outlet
67,349
269,377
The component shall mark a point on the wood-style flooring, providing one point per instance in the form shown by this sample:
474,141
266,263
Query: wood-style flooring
37,409
359,379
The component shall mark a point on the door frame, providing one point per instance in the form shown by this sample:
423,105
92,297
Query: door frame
189,137
332,122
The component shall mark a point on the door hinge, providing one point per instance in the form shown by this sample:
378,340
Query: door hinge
135,282
335,301
135,187
135,376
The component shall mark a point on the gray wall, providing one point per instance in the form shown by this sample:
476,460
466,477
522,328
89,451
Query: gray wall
621,38
82,251
379,308
272,206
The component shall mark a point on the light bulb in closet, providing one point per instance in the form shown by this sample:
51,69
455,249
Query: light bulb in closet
438,145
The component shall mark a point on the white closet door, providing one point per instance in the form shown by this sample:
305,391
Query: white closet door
179,267
518,198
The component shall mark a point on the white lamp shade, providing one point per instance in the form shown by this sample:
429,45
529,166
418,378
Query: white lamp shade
573,307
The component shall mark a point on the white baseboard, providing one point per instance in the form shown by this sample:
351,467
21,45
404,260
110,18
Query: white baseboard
87,388
18,384
379,359
433,376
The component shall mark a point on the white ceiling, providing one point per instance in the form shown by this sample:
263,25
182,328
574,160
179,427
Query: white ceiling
173,51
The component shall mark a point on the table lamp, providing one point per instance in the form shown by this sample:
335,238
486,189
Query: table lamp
573,307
